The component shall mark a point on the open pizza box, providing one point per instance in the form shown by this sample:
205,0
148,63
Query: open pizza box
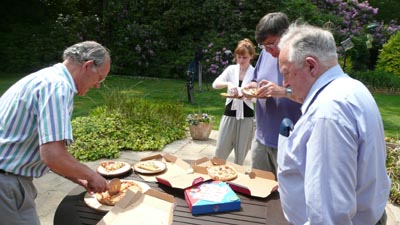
184,177
174,166
257,183
150,208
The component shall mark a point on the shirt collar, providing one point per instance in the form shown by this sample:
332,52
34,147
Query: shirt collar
67,76
325,78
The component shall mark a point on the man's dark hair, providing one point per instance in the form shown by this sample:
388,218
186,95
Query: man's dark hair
272,24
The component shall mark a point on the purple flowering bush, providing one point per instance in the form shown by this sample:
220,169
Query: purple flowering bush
353,17
215,59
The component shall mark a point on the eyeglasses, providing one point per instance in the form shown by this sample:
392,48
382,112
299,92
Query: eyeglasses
269,46
101,79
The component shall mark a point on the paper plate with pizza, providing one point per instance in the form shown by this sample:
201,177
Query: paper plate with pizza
106,200
113,168
251,93
150,167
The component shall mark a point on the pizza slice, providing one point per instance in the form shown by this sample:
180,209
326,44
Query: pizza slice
106,198
110,166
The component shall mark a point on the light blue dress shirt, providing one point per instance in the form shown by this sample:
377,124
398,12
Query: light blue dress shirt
331,168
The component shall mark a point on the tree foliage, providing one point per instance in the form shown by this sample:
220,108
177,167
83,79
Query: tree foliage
159,38
389,58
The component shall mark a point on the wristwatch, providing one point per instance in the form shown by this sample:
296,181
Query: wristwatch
288,91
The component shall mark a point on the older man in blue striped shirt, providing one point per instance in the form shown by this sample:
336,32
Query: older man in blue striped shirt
35,129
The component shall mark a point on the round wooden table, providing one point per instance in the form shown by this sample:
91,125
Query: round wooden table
73,211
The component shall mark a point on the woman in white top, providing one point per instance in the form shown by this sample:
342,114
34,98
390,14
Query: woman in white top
237,127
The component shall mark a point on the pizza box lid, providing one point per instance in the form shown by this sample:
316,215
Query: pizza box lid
190,177
140,208
253,182
174,166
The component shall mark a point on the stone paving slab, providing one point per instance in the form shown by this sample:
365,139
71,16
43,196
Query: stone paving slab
53,188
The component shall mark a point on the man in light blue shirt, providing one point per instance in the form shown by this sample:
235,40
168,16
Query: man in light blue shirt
35,129
331,168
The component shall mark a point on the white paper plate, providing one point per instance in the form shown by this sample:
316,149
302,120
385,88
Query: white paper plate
226,95
125,168
162,166
91,200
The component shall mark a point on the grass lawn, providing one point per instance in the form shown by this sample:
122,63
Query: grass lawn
206,100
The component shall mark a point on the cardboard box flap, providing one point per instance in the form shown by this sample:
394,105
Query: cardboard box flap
263,174
152,157
200,161
182,176
191,177
252,182
170,158
174,166
258,186
160,195
183,181
218,161
140,208
199,169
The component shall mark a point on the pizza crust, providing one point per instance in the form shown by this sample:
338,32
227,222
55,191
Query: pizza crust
222,172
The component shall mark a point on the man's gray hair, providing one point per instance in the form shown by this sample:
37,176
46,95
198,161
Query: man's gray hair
303,40
85,51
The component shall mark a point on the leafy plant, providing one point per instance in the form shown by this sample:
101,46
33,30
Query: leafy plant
379,81
389,58
134,125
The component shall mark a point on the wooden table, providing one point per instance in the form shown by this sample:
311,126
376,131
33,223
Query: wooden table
73,211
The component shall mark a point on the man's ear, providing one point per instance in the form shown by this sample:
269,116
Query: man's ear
88,64
312,65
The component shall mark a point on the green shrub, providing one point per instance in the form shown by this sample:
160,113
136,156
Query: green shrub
378,80
389,58
136,125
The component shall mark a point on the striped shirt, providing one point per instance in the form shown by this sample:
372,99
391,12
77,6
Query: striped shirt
35,110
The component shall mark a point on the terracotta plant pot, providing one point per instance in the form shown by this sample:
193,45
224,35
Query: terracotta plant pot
201,131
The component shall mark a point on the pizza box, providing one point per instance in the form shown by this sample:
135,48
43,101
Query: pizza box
174,165
185,178
253,182
139,208
211,197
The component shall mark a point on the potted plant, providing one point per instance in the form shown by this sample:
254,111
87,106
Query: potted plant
200,125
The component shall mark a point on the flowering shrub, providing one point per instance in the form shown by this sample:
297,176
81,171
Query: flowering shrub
354,16
196,118
216,60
